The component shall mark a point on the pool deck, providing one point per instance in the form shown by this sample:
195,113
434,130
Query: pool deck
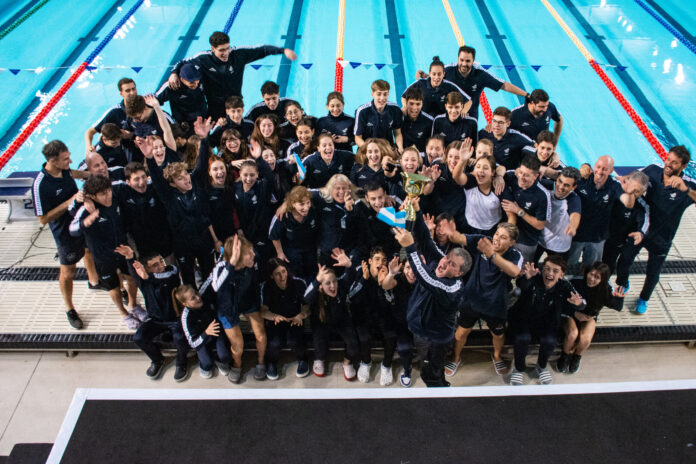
31,306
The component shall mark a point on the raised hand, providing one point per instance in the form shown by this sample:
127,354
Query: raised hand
202,127
485,246
323,272
125,251
365,270
467,149
342,260
145,146
529,270
236,250
429,222
404,237
255,148
151,100
575,299
348,201
395,266
174,81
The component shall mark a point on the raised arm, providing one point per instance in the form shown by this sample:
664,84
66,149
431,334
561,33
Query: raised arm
167,134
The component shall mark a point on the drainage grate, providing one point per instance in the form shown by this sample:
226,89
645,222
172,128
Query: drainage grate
111,342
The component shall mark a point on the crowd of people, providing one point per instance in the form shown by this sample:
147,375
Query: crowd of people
275,215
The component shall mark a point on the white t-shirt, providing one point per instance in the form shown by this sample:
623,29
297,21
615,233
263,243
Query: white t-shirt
482,211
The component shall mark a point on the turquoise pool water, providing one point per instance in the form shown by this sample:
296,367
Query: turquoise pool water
657,80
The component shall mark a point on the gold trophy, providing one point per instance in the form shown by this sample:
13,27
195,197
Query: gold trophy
413,186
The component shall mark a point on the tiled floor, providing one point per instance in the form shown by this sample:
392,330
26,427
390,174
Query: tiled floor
36,388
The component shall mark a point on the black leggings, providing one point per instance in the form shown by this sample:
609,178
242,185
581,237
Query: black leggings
364,332
321,333
279,334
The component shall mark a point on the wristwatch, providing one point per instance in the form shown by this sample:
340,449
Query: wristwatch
521,212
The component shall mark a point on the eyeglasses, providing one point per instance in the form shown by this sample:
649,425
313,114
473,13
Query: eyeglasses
498,122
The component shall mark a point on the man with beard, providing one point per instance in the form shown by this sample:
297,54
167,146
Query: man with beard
669,193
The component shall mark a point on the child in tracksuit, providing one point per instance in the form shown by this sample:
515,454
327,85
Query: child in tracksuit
328,298
283,309
156,281
372,314
202,331
99,220
235,282
398,287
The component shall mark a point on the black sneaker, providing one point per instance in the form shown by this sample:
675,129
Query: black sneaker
562,363
180,373
98,286
155,370
74,319
574,364
272,371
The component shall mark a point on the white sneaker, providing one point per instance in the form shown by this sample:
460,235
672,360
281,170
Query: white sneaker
131,322
364,372
348,372
386,378
139,313
318,368
205,374
517,377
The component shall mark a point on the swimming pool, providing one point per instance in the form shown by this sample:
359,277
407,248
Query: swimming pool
520,41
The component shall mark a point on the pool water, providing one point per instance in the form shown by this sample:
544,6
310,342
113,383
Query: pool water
651,68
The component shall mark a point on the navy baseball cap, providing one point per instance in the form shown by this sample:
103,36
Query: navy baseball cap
190,73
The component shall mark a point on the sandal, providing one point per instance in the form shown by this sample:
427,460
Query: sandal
499,366
451,368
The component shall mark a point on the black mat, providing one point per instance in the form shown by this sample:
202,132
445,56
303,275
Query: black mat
656,427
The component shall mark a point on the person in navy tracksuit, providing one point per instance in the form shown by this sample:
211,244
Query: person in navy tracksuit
326,162
337,124
379,118
202,331
327,297
435,88
433,306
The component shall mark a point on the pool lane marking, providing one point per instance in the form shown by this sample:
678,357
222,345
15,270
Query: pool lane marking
657,146
21,16
500,47
483,101
397,55
290,42
340,35
186,40
630,84
680,33
33,124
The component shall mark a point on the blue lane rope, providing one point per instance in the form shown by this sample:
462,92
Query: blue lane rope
232,17
113,32
678,35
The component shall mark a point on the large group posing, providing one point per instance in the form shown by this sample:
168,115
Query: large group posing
213,214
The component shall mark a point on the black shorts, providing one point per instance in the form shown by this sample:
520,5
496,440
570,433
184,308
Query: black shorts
108,273
71,252
468,317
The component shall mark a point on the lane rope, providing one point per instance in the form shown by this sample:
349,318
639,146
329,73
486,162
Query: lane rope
678,35
483,101
338,73
22,18
647,133
233,16
43,112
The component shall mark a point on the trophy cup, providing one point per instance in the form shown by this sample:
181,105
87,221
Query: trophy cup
413,186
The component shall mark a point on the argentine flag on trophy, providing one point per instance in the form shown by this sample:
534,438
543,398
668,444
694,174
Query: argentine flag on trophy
301,170
392,217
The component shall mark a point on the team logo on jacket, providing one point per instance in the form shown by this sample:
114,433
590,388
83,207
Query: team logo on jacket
606,198
152,202
419,134
673,195
211,69
254,200
506,151
131,201
473,87
527,204
58,191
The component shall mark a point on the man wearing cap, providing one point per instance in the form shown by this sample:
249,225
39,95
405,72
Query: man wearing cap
222,69
187,102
